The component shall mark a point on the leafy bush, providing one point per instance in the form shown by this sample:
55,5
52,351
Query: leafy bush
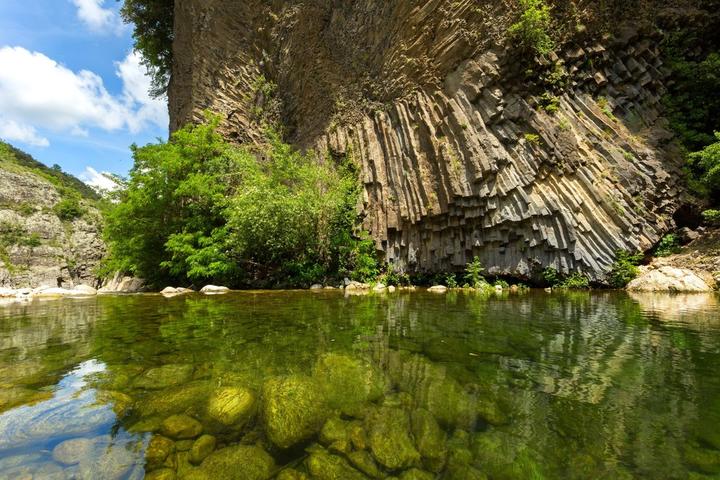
668,245
705,167
624,269
450,281
393,277
473,273
199,209
68,209
575,280
531,30
711,217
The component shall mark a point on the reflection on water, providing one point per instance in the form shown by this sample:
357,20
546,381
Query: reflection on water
316,385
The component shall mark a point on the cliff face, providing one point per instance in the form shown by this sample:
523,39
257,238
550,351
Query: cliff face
466,147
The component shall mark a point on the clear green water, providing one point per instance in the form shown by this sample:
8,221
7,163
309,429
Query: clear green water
409,385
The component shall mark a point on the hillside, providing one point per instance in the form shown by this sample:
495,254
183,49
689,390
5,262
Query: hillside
49,225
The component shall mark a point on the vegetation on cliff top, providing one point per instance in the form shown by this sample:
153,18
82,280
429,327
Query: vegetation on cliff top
198,209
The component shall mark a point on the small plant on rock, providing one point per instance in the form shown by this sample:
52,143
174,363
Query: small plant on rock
624,270
531,29
473,273
669,245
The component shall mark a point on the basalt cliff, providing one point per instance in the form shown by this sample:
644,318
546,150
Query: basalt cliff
468,145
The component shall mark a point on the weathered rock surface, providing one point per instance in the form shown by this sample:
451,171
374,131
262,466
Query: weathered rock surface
42,249
668,279
120,283
458,157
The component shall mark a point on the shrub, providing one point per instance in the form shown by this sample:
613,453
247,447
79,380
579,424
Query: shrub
668,245
711,217
532,138
531,29
473,273
575,280
624,269
550,103
705,168
450,281
68,209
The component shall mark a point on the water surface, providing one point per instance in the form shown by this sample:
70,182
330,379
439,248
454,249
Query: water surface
573,385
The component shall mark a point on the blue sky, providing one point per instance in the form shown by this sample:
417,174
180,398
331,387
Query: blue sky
72,92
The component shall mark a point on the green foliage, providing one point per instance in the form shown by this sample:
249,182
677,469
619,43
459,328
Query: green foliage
531,29
68,208
624,269
551,276
667,246
12,234
450,281
153,34
532,138
199,209
473,273
393,277
705,168
712,217
575,280
549,102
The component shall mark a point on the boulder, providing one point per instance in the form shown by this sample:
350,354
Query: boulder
416,474
70,452
348,383
391,289
379,287
389,438
438,289
169,291
158,450
165,376
669,279
293,409
109,462
181,427
161,474
324,466
122,284
429,439
84,290
353,285
231,406
214,289
240,462
183,398
202,448
291,474
317,286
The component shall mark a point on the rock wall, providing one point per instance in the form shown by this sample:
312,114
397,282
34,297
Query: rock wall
38,248
467,147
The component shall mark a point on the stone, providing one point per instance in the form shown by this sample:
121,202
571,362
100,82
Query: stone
416,474
240,462
438,289
181,427
190,396
379,288
668,279
165,376
353,285
202,447
169,290
161,474
429,439
231,406
110,462
324,466
84,290
214,289
348,383
158,450
391,289
389,438
363,461
291,474
316,286
72,451
334,430
502,455
293,409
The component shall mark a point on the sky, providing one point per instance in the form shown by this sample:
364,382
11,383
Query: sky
72,91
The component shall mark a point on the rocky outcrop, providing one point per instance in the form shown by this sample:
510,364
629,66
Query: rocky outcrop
668,279
36,246
466,148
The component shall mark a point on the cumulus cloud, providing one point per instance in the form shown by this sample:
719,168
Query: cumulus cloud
97,18
38,93
12,131
99,180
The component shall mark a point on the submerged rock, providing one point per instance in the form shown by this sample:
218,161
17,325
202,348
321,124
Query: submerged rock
429,439
189,397
161,474
504,456
72,451
231,406
389,438
158,450
181,427
165,376
202,447
348,383
364,461
111,462
293,409
240,462
324,466
291,474
416,474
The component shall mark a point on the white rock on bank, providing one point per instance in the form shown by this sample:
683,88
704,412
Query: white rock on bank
379,288
169,291
7,292
353,285
438,289
317,286
214,289
391,289
669,279
84,290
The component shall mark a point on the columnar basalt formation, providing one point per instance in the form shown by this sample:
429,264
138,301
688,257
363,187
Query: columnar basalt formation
467,147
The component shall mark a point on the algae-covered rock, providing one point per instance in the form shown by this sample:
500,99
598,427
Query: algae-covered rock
158,450
240,462
363,461
231,406
416,474
334,430
348,383
190,397
389,438
324,466
291,474
201,448
702,459
161,474
293,409
429,439
357,435
165,376
181,427
505,457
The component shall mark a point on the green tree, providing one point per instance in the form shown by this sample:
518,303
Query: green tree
531,29
473,273
705,167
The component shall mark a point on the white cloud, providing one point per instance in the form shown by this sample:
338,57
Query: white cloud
38,93
14,131
97,18
100,181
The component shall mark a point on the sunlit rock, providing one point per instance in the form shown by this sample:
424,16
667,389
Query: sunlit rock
668,279
72,451
389,438
438,289
294,409
231,406
181,427
111,462
214,289
190,396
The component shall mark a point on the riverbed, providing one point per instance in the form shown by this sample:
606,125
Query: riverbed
410,385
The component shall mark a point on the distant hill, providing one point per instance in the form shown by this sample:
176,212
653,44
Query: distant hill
10,155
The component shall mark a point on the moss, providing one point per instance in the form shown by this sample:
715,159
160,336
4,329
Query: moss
702,459
293,409
348,383
389,438
324,466
430,439
231,406
241,462
504,457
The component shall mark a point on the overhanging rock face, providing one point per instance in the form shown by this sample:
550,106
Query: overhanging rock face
463,151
